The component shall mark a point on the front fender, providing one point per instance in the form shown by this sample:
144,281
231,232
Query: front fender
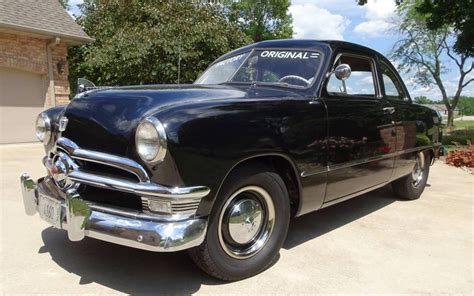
207,140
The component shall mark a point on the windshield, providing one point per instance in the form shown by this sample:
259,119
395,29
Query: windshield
283,67
221,72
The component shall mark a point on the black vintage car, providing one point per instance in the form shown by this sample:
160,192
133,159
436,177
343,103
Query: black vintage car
268,132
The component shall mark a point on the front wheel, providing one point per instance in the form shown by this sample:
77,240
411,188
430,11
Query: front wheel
247,226
411,186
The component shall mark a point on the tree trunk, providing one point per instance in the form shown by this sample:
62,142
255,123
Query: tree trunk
450,117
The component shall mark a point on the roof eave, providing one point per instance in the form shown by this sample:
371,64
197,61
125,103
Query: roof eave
69,39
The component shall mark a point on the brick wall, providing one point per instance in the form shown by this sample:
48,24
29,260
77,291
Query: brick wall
61,83
30,54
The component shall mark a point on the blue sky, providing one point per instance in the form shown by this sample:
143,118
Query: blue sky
371,25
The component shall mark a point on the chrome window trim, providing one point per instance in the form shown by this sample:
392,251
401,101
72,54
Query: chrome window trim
406,97
377,88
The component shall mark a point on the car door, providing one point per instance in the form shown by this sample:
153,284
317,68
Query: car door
361,136
413,127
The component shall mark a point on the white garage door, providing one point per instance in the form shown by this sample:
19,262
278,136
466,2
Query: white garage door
22,96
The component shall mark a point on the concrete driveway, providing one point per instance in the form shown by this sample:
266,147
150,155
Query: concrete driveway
370,244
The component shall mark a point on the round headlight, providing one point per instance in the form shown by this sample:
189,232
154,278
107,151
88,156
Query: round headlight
150,140
43,128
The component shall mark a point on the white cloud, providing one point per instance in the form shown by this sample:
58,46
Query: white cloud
380,9
374,28
380,18
344,7
73,8
313,22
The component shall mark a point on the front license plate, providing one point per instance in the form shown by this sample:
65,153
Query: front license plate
50,210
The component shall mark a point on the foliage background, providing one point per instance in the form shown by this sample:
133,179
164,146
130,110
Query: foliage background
142,42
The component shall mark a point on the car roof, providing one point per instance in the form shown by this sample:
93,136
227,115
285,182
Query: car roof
301,44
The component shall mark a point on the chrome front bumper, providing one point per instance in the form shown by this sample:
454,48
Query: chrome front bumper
129,228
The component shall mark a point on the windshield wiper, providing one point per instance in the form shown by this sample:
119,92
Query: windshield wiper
276,83
255,83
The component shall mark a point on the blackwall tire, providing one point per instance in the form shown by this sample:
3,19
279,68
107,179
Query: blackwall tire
412,186
242,240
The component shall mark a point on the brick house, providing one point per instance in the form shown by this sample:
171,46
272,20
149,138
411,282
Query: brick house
441,108
34,37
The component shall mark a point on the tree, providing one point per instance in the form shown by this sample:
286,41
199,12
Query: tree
420,50
363,2
466,105
150,41
262,19
64,4
458,14
422,100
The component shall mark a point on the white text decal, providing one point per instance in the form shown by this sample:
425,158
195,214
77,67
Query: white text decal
302,55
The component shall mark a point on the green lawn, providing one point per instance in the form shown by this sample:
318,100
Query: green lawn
462,131
464,125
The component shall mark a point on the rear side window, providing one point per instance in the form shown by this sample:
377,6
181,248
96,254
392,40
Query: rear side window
393,89
361,81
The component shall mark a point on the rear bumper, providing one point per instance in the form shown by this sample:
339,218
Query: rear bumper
80,218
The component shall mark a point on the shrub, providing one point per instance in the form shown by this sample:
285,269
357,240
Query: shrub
460,137
455,139
460,158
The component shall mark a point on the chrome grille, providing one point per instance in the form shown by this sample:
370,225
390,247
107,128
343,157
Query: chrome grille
110,173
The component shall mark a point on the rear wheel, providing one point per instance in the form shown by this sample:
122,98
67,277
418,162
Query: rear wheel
411,186
247,226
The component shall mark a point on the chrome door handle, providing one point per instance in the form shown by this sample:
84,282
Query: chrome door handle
388,110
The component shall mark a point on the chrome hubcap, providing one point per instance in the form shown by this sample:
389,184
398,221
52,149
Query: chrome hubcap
246,222
418,170
245,219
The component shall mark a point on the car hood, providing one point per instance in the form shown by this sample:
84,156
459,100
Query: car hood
105,120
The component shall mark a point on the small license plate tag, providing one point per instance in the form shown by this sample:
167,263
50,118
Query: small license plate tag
49,210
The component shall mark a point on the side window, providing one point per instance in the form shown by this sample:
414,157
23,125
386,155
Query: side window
393,89
361,81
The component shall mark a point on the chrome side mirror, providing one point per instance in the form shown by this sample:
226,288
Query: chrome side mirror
342,71
84,85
